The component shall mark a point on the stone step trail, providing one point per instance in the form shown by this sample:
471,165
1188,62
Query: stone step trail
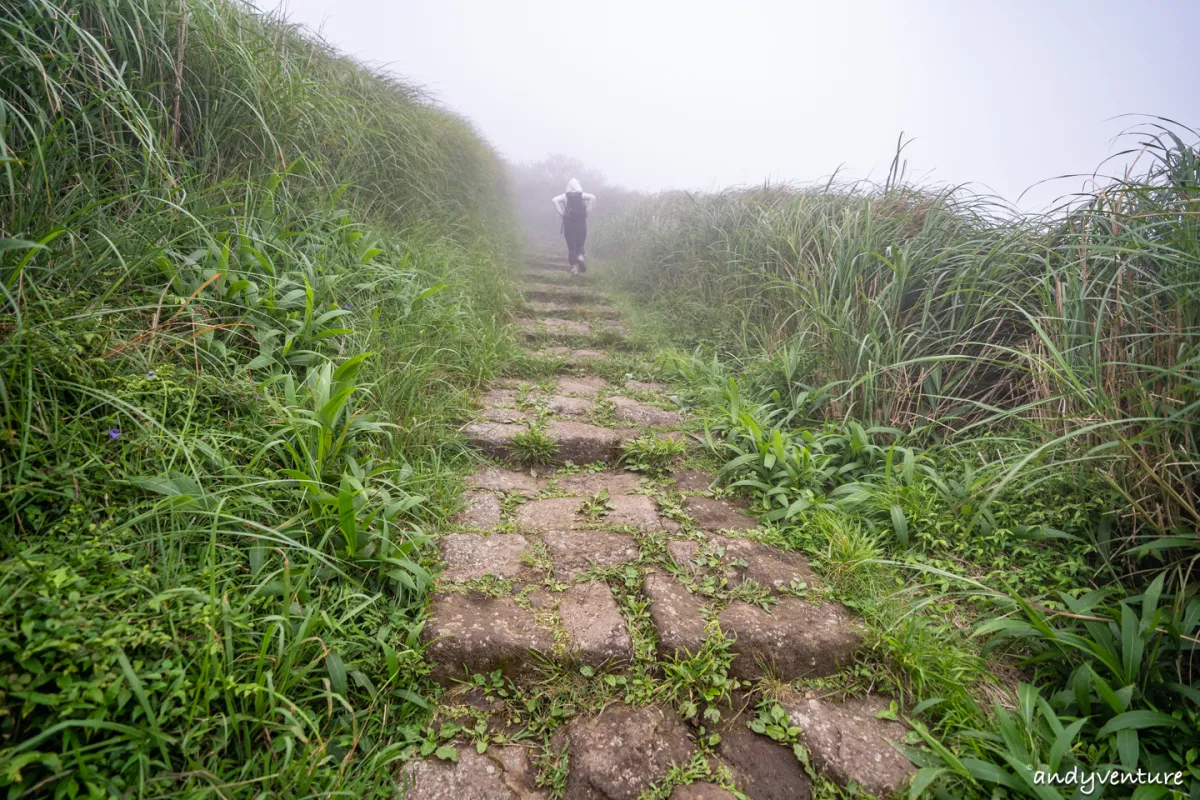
561,293
571,311
524,586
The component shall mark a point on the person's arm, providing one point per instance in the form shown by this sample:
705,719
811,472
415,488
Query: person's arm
589,200
560,204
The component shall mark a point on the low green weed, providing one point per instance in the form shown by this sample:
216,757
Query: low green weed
650,454
534,446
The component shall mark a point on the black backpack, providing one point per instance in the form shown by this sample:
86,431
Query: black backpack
576,208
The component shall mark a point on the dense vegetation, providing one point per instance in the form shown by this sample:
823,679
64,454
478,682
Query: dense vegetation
983,427
248,285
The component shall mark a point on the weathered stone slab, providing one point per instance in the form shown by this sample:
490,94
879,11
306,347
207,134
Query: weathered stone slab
513,383
675,613
475,633
570,406
553,326
762,769
574,552
506,480
629,410
493,438
596,632
619,753
588,483
470,556
702,791
501,773
634,510
848,742
585,386
795,639
582,443
577,442
581,311
710,514
554,293
482,511
554,514
500,398
565,327
647,387
580,356
692,481
561,513
506,415
684,553
769,566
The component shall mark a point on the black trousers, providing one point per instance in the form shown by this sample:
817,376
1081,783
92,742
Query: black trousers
575,232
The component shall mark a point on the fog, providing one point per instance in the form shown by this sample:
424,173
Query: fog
697,94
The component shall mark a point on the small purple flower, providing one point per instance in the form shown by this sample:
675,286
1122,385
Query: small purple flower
345,306
114,433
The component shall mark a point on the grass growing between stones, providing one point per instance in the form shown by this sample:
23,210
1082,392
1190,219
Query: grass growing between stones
534,446
980,430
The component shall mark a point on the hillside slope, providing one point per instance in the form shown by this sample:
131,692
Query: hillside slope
249,286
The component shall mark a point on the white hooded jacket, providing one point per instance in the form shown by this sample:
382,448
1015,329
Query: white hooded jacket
560,202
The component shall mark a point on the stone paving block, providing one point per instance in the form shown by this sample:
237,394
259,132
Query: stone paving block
585,355
565,327
506,415
848,742
583,386
710,514
501,773
675,613
561,513
554,514
693,481
589,483
702,791
553,326
513,383
500,398
469,556
684,553
628,410
581,443
762,768
506,480
574,552
648,387
476,633
596,632
493,438
618,753
795,639
482,511
553,293
570,406
766,565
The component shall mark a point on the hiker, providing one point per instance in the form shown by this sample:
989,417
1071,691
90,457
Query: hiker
573,207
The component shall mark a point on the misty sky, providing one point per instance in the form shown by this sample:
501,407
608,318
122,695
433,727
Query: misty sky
701,94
